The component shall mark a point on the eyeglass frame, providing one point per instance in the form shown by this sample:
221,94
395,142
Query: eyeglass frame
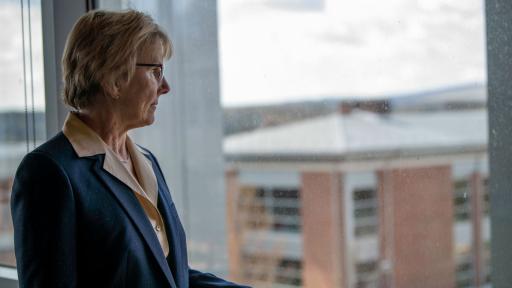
161,66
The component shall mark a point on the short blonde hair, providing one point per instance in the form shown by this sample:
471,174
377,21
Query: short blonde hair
101,52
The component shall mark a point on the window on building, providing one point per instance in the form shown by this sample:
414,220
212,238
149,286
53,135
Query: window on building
487,263
276,209
462,206
486,193
270,270
464,271
365,212
289,272
367,274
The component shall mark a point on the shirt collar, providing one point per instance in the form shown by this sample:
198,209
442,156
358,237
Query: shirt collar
144,170
84,140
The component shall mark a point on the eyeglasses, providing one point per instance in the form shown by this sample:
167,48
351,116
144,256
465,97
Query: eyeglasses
158,73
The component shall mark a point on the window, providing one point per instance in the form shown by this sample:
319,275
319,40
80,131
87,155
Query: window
462,207
471,228
486,196
367,103
275,209
365,212
464,272
265,270
367,274
22,113
409,132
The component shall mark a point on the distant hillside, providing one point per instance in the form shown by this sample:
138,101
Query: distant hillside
242,119
457,97
463,97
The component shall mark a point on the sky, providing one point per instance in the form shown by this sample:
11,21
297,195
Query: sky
12,81
274,51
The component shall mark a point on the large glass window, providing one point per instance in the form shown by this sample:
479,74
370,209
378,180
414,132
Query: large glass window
355,139
22,113
379,109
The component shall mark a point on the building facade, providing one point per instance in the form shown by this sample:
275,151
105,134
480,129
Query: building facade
394,200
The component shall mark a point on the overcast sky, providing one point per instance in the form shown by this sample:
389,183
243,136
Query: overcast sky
287,50
12,85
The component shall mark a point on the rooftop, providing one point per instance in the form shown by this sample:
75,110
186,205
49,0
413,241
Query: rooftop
364,134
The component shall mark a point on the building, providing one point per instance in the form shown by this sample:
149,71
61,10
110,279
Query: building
361,199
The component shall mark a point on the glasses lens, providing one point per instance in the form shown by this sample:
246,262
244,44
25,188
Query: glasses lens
160,73
157,69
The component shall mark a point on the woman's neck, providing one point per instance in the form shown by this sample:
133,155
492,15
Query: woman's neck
108,127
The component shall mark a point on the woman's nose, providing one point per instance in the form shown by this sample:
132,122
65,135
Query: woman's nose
164,87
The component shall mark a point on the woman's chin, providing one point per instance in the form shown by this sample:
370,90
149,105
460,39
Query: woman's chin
146,121
150,119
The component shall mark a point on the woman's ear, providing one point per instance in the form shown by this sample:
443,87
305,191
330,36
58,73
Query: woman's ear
111,90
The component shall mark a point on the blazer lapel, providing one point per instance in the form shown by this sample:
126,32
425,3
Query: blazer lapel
177,253
133,209
171,224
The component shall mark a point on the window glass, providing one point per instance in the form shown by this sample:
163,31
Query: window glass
380,112
22,113
354,140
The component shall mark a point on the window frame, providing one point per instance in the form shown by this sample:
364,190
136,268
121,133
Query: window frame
499,85
58,17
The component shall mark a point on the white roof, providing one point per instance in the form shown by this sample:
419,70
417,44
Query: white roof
361,133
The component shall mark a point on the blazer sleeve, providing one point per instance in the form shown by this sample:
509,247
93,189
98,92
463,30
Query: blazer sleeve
207,280
43,213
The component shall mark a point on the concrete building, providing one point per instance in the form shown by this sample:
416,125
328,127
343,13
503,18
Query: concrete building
361,199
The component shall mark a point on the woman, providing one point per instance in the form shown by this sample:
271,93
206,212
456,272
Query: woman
90,208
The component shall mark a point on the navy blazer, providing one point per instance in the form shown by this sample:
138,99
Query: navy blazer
76,225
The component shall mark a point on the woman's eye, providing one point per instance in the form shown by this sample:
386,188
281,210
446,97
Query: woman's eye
157,73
